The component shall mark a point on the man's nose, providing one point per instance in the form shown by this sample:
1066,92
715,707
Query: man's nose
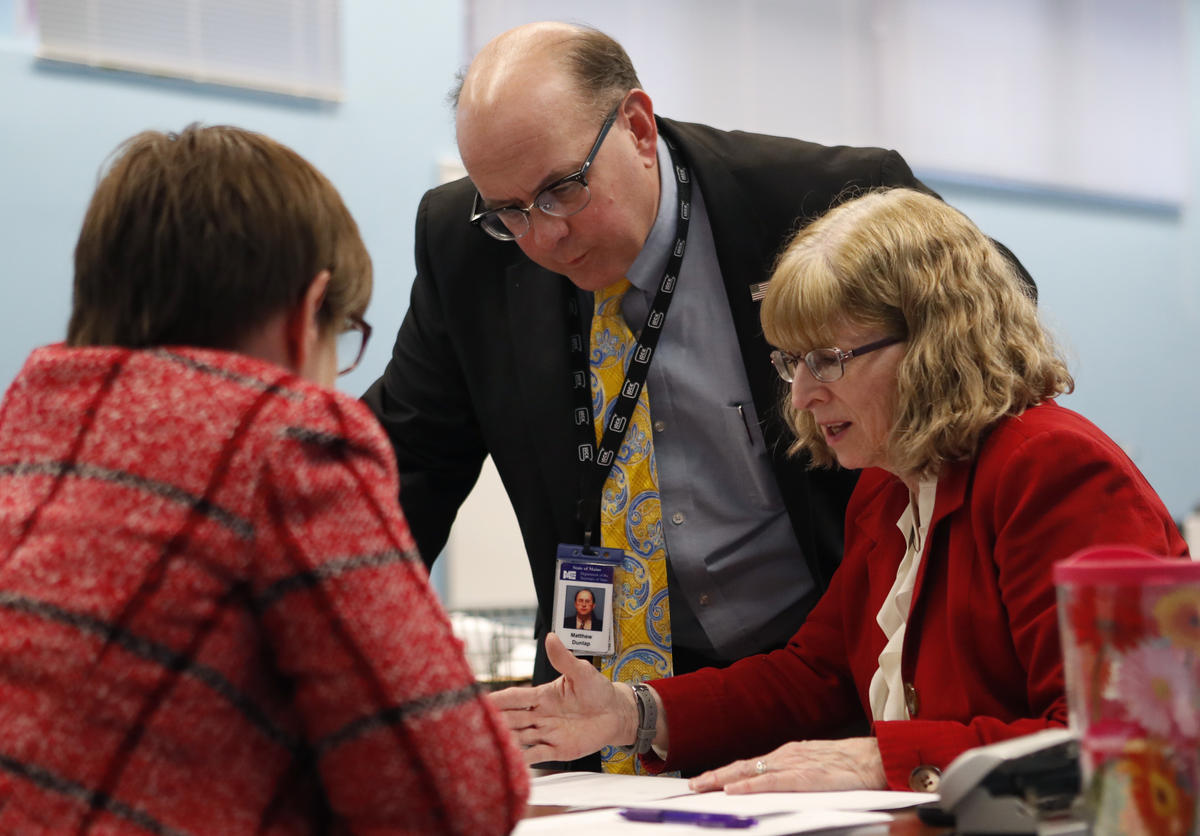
546,230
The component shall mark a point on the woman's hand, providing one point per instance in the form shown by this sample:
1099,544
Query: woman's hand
573,716
807,765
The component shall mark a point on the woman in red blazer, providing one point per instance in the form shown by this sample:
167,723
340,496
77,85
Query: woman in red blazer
940,626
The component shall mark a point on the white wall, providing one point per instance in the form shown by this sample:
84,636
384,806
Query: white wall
1027,92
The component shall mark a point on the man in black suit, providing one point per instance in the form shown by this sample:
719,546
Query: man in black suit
484,362
585,616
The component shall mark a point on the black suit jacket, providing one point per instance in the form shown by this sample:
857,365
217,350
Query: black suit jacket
481,361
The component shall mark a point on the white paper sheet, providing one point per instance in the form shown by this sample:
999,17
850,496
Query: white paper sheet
610,823
789,802
597,789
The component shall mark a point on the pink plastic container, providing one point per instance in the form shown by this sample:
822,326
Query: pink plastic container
1130,625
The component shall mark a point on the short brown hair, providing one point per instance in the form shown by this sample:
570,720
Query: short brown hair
199,237
601,68
908,265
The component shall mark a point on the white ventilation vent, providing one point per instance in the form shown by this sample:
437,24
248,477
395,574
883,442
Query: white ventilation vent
283,46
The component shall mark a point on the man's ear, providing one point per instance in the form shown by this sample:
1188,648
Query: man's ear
638,107
302,326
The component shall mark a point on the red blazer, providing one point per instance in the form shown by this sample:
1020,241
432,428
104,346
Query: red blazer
981,652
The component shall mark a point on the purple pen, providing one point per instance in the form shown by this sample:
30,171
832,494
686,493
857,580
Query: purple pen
687,817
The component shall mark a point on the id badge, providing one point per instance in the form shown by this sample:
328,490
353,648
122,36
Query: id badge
583,598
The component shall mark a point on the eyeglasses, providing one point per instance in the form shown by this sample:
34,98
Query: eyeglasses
825,364
562,198
352,342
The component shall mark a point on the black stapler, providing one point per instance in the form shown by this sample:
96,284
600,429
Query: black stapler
1026,785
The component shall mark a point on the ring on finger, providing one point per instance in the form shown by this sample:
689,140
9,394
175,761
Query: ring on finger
760,767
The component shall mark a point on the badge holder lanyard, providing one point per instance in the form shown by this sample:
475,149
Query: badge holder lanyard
597,462
588,568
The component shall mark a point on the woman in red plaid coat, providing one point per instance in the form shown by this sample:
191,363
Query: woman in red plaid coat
212,615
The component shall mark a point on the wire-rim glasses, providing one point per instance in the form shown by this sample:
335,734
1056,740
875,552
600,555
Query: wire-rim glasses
562,198
352,343
825,364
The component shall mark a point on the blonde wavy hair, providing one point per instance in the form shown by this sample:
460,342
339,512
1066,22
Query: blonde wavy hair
906,264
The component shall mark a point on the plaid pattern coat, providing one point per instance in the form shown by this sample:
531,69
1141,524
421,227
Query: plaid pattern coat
213,618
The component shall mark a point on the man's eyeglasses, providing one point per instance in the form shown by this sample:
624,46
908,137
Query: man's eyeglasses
562,198
352,342
825,364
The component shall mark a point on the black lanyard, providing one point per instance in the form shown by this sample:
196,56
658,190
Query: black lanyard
598,461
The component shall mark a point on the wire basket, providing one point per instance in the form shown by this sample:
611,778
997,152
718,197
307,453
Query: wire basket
498,643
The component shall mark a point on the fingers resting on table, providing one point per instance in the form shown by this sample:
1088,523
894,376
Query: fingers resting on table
808,765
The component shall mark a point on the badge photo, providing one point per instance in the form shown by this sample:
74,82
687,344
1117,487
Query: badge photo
583,593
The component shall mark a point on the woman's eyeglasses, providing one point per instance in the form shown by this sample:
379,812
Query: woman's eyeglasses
352,343
825,364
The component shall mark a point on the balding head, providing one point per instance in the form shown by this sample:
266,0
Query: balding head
583,69
531,105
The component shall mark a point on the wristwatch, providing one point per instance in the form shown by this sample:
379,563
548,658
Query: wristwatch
647,718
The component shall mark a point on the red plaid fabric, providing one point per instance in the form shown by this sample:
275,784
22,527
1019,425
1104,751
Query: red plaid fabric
213,618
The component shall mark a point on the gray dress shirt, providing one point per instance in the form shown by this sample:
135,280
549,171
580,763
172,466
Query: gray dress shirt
735,564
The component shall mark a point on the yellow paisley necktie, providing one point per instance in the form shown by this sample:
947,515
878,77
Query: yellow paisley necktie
630,519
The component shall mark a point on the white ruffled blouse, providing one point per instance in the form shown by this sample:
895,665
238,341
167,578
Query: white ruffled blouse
887,685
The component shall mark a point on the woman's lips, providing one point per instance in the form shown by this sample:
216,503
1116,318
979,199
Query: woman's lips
835,431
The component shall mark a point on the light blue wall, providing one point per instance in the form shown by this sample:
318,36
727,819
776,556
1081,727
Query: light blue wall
1120,285
1120,288
380,147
